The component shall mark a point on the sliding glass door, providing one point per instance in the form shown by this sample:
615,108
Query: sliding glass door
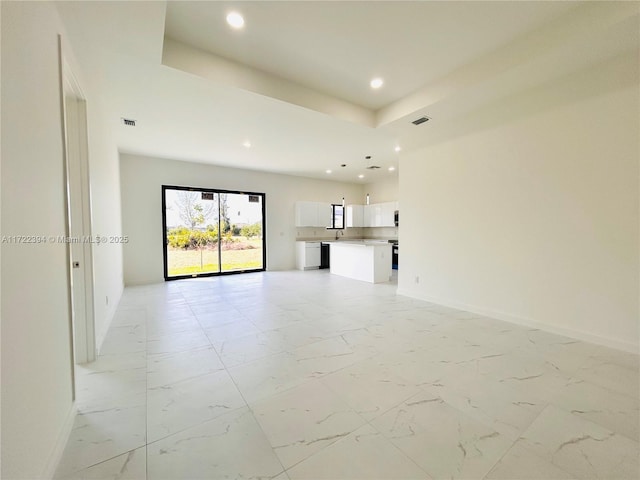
242,225
211,232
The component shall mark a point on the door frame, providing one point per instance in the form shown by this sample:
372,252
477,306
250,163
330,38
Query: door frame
165,266
78,228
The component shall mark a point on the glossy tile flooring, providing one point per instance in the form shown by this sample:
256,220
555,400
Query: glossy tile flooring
306,375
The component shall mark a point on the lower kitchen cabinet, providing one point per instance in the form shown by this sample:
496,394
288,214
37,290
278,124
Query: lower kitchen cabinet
307,255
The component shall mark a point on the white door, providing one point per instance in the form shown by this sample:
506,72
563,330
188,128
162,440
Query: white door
79,220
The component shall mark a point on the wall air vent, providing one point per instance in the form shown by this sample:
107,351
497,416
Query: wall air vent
372,167
129,122
421,120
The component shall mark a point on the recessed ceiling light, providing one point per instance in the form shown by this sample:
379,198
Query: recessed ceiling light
247,144
235,20
360,176
328,171
391,169
397,149
376,82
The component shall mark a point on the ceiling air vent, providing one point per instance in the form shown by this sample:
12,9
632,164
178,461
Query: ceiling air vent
129,122
372,167
420,120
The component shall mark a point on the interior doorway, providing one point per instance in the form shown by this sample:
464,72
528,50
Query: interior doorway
78,228
212,232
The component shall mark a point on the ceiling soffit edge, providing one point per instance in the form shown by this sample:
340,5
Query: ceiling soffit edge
534,57
206,65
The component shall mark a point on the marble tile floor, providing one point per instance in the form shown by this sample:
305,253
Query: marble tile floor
306,375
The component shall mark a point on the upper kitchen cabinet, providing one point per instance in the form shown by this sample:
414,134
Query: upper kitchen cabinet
387,214
355,216
306,214
380,214
313,214
374,215
325,215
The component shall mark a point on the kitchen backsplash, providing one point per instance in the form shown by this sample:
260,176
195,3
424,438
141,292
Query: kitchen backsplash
308,233
380,232
322,233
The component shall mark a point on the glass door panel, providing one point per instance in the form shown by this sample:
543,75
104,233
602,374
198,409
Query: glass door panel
241,224
191,232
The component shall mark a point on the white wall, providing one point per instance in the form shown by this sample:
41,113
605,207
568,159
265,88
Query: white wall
36,354
141,181
382,191
104,166
528,210
0,258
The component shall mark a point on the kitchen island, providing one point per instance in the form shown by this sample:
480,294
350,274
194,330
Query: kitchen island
366,260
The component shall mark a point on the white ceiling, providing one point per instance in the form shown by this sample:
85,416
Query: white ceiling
338,47
294,81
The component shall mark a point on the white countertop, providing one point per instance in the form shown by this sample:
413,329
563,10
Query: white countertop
358,243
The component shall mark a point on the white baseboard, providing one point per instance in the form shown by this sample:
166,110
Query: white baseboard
100,336
61,443
567,332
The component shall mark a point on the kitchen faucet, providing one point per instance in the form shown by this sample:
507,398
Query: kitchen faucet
338,233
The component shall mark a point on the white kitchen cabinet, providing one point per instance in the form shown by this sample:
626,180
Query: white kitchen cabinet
387,211
355,216
376,215
313,214
366,261
308,255
380,214
306,214
324,215
367,214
